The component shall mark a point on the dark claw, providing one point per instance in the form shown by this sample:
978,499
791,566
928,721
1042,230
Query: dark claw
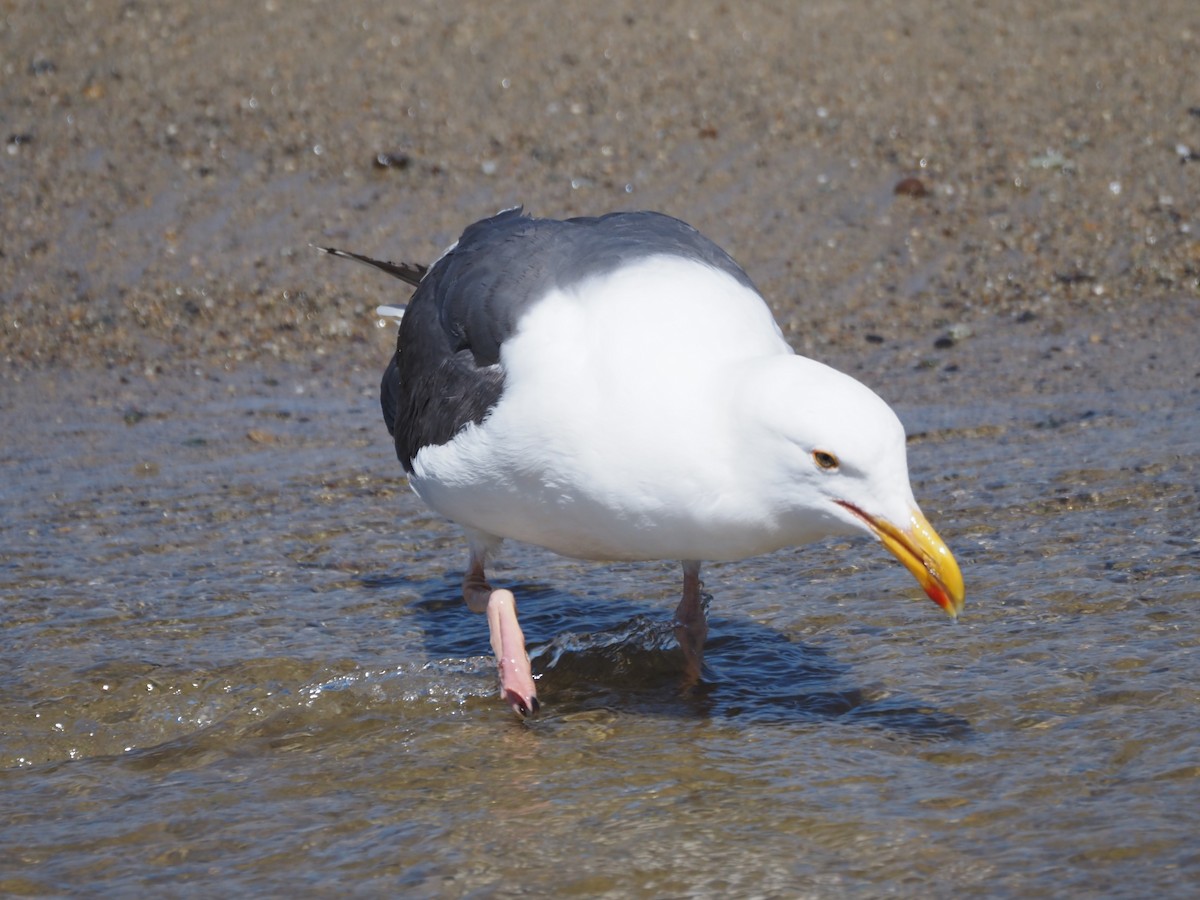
525,711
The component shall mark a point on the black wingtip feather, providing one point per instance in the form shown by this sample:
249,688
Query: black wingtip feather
410,273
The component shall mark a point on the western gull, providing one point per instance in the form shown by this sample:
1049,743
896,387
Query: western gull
616,388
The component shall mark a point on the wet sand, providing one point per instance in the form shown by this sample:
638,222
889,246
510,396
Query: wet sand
167,167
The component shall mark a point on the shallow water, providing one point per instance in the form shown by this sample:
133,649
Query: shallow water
236,661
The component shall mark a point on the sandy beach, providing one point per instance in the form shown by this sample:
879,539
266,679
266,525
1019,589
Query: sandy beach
988,194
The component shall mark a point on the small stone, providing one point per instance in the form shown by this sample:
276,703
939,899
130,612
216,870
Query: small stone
398,161
910,187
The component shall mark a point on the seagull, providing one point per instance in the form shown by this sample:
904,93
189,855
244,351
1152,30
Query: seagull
616,388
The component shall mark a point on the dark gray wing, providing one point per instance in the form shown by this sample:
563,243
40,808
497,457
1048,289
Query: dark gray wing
503,264
446,371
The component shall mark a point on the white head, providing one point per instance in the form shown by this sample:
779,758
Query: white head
835,455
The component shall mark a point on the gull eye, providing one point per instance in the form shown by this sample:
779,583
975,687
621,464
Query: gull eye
825,460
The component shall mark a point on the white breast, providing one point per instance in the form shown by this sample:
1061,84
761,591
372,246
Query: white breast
616,435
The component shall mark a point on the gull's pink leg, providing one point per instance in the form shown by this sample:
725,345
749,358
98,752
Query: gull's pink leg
691,628
508,641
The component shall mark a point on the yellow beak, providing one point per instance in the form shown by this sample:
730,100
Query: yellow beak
924,554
